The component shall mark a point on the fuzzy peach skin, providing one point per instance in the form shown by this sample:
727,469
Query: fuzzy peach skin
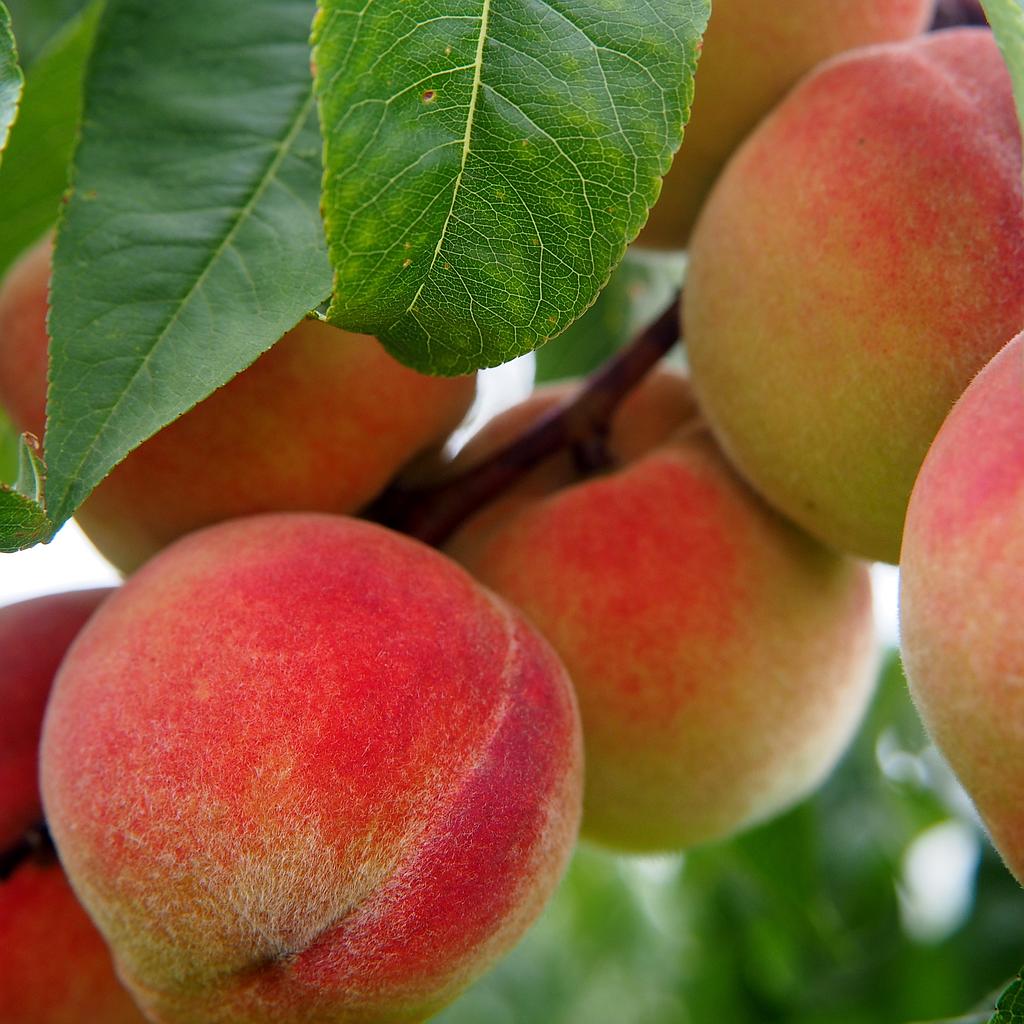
860,259
722,659
962,596
320,422
304,770
753,53
55,967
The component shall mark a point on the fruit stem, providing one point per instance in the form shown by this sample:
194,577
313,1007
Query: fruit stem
950,13
433,514
34,844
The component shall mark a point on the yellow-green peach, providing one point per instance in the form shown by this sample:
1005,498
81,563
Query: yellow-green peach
722,658
962,596
753,53
858,262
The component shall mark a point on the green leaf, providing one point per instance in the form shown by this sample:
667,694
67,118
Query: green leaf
1010,1008
34,174
486,163
192,240
636,295
11,78
23,518
1007,20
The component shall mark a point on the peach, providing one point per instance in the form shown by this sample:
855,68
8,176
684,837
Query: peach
962,593
303,769
860,259
34,635
753,53
721,658
320,422
55,967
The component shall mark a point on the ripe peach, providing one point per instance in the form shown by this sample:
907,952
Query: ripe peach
34,635
320,422
55,967
302,768
753,53
962,591
859,260
721,658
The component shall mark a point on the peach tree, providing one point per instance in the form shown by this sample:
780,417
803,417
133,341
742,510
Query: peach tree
299,768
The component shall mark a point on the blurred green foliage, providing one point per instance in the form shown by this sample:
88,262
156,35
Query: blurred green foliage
636,295
35,21
803,920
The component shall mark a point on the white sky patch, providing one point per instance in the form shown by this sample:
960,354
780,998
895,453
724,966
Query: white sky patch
497,389
68,562
885,583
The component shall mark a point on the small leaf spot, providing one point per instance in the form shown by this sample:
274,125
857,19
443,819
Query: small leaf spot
428,96
406,263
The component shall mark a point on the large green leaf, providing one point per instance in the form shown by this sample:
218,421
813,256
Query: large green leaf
1007,20
11,79
35,168
192,239
487,162
22,519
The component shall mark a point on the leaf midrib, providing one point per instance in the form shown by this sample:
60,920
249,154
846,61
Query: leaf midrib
244,213
485,15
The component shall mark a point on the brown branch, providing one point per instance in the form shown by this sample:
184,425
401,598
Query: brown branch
581,423
36,844
950,13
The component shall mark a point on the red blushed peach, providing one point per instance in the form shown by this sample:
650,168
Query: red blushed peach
858,262
54,965
320,422
962,596
34,636
721,658
303,769
753,53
